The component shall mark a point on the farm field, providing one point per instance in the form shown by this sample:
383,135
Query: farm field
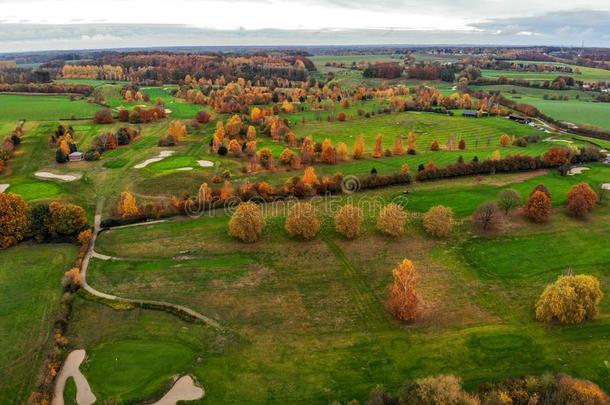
165,291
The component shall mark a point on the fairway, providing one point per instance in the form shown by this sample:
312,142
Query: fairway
44,108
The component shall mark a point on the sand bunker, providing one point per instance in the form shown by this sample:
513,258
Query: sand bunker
205,163
577,170
63,177
3,187
606,186
162,155
84,396
551,139
183,390
168,111
184,169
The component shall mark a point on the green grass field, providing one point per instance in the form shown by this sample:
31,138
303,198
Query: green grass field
586,73
44,108
30,284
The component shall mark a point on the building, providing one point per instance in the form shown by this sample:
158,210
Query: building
470,113
520,118
76,156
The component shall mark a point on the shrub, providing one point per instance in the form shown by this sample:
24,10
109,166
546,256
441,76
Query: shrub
435,146
508,199
505,140
302,221
538,207
487,216
103,116
348,221
247,222
570,300
341,116
581,200
440,390
542,188
557,156
403,300
66,219
439,221
203,117
392,219
13,219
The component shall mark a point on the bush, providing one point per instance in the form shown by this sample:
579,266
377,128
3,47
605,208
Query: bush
557,156
509,199
441,390
439,221
302,221
581,200
403,300
538,207
66,219
103,116
392,219
570,300
13,219
348,221
247,222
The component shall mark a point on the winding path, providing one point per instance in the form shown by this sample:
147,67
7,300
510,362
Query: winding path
85,285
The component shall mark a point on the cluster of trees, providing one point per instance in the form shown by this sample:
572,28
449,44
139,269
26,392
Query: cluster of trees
42,222
448,390
142,115
111,141
10,144
25,76
383,70
47,88
63,140
433,71
177,130
101,72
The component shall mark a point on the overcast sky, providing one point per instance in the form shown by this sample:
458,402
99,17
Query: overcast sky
75,24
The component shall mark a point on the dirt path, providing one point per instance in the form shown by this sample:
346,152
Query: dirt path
183,390
96,229
71,368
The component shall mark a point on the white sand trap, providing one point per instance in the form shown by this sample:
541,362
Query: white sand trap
162,155
168,111
84,396
3,187
205,163
183,390
606,186
63,177
577,170
603,151
184,169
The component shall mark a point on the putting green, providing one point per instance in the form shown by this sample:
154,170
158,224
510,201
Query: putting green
35,190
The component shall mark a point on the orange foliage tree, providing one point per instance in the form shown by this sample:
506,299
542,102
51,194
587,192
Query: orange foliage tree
358,152
398,149
505,140
538,207
392,219
13,219
403,300
309,176
348,221
247,222
127,206
302,220
581,200
378,150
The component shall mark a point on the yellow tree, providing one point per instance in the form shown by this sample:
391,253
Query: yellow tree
411,140
302,221
127,205
251,133
495,155
398,148
309,176
439,221
505,140
392,219
378,151
403,300
358,152
205,194
571,299
256,114
342,151
247,222
348,221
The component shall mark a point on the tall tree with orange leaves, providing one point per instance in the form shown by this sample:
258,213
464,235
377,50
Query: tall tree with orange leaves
127,206
358,152
378,151
403,300
309,176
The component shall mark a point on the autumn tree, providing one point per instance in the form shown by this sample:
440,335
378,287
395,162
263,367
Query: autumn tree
348,221
204,195
439,221
358,152
487,216
341,116
286,156
462,144
127,206
247,222
557,156
495,155
403,300
509,199
342,151
435,146
378,150
328,154
398,149
411,143
177,129
13,219
571,299
505,140
538,207
392,219
103,116
309,176
265,158
66,219
302,220
581,200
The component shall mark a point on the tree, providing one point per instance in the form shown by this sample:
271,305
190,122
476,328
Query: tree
495,155
538,207
247,222
358,152
378,151
398,149
411,145
286,156
581,200
328,154
557,156
403,300
348,221
66,219
341,116
127,206
439,390
392,219
177,129
39,217
505,140
542,188
439,221
13,219
342,151
103,116
204,195
435,146
302,221
462,144
487,216
309,176
508,199
571,299
203,117
265,158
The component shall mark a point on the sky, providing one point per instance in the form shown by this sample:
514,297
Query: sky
28,25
